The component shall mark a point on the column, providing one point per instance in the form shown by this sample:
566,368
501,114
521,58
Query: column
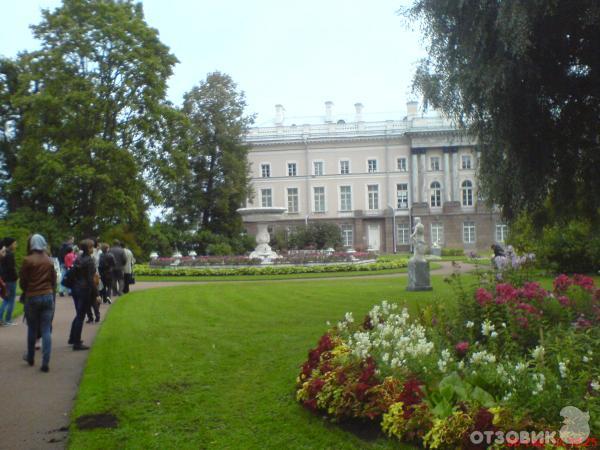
447,176
455,176
415,178
423,169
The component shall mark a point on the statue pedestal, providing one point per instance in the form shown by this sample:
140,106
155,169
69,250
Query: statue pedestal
418,275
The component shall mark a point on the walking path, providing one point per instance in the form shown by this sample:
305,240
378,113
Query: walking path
36,406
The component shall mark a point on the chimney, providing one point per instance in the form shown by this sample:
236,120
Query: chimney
359,108
328,112
412,109
279,114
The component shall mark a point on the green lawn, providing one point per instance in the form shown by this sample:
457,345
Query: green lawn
214,366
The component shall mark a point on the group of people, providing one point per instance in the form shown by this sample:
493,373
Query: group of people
95,273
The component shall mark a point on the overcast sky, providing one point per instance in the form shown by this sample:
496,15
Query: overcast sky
299,54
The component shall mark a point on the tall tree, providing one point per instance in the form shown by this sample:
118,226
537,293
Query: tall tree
210,157
90,104
524,77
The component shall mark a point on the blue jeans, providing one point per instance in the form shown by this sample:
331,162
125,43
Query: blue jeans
39,312
81,299
9,302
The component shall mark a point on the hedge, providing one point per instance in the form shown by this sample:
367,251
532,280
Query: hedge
144,270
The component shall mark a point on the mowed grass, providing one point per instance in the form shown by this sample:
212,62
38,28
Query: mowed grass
214,366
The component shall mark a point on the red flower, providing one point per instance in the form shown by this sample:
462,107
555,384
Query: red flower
368,371
360,390
505,292
411,394
582,322
527,307
311,404
533,290
561,283
325,343
564,300
326,367
586,283
483,297
462,348
315,387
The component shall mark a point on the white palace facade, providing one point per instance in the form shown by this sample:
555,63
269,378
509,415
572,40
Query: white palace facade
372,178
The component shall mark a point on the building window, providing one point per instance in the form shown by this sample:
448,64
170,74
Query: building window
347,235
266,198
372,165
319,194
465,161
265,170
373,192
401,164
436,195
435,163
403,232
318,168
467,193
469,232
402,196
292,200
437,233
344,167
292,169
345,198
501,233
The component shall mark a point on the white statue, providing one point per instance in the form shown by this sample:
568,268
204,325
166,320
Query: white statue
418,240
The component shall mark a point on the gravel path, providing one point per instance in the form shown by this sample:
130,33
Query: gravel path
36,406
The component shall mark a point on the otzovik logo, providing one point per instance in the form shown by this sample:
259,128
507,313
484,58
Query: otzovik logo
575,432
576,427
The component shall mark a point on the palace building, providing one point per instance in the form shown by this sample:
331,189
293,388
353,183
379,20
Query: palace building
372,178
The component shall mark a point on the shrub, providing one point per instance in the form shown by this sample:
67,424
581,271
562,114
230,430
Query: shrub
449,251
266,270
572,248
318,235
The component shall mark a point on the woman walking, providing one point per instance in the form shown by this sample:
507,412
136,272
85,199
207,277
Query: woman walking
83,291
8,272
38,282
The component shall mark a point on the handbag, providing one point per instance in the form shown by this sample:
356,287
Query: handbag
131,278
3,289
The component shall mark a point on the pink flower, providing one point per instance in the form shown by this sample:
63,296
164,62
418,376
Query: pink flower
561,283
483,296
586,283
533,290
462,348
582,322
505,292
564,300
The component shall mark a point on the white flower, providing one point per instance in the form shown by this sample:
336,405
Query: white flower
487,327
461,365
539,379
595,385
562,368
386,357
348,317
493,334
520,367
328,323
469,324
482,357
538,352
503,324
585,359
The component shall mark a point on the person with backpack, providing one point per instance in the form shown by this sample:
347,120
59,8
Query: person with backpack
38,282
62,252
106,266
83,288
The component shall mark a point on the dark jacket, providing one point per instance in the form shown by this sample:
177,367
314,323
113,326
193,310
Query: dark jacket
85,268
106,264
120,258
8,268
38,276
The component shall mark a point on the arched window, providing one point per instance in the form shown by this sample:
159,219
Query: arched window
436,194
467,193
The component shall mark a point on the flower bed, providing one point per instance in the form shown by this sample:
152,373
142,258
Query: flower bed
143,270
508,359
